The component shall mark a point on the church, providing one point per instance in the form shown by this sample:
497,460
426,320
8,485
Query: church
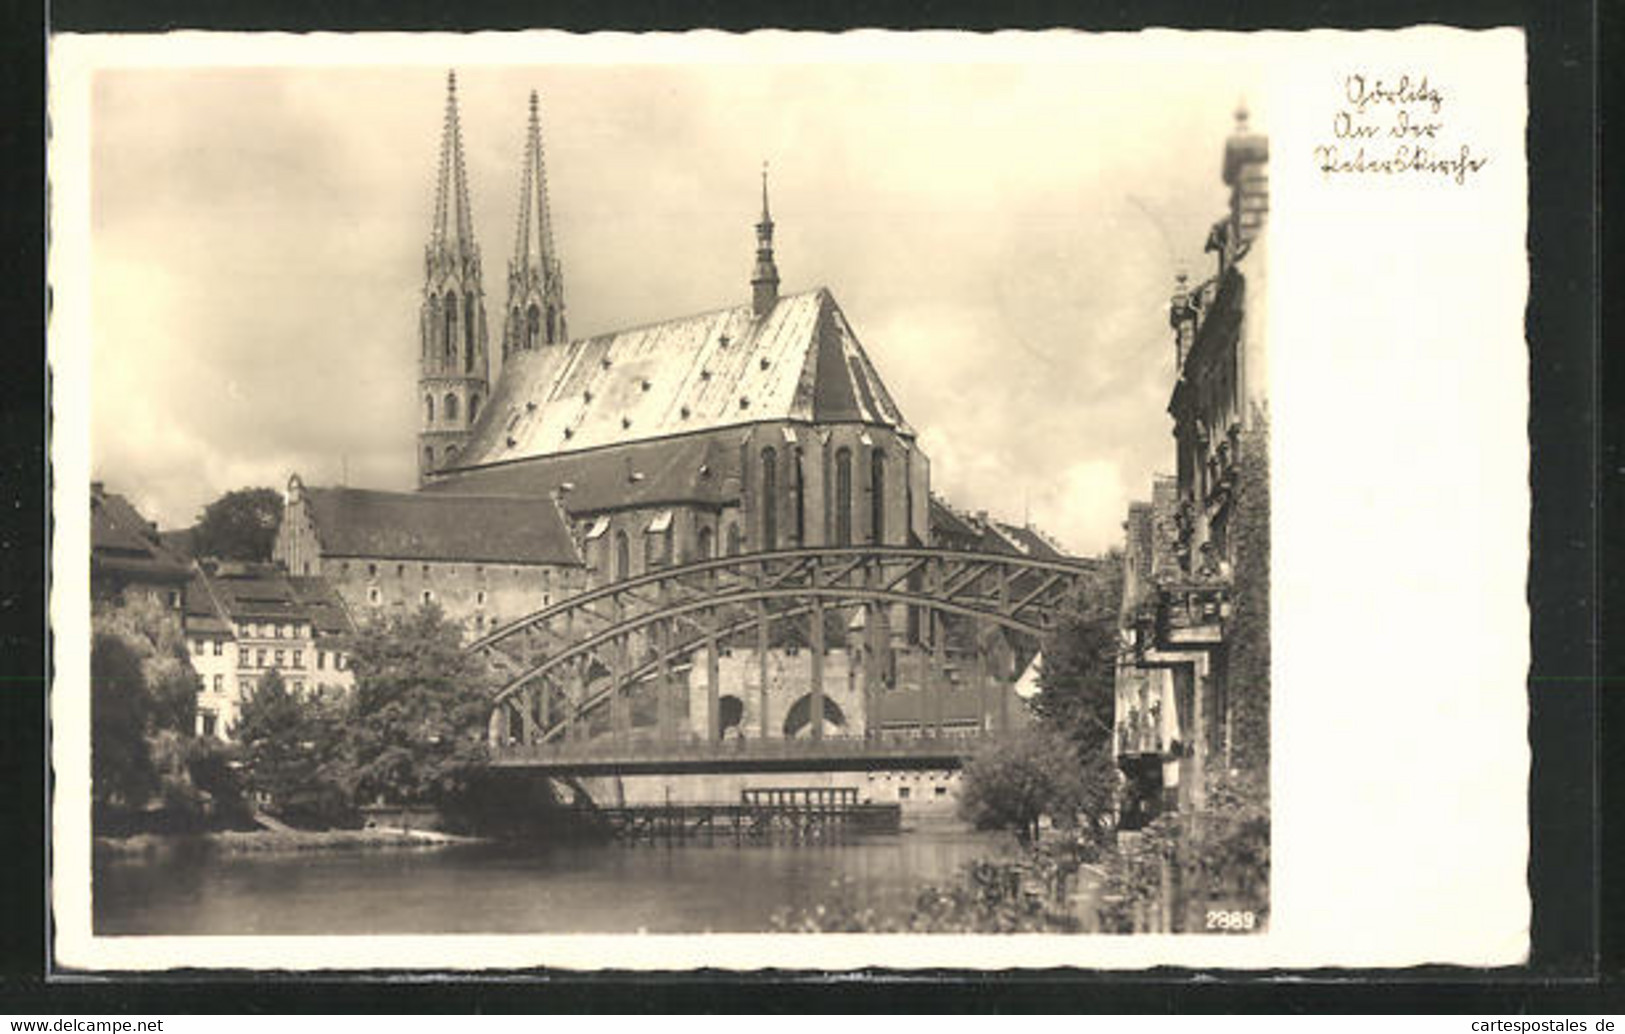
762,424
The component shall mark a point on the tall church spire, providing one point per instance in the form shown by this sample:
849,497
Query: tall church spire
535,310
764,282
453,368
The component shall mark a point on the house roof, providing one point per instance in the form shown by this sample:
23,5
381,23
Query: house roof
698,469
322,602
222,592
801,361
122,540
357,522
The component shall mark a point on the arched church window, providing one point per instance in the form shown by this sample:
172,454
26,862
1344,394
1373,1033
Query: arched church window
428,409
770,499
473,407
451,453
623,556
877,497
451,327
436,325
705,545
800,481
451,408
428,457
552,323
468,333
843,497
733,540
533,326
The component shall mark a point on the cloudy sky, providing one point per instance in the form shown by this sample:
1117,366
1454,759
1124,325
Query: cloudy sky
1003,237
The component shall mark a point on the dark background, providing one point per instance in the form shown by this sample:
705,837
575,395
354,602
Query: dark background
1574,579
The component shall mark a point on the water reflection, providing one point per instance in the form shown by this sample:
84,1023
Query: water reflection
719,887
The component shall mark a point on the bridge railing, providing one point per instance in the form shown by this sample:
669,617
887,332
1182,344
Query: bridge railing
961,743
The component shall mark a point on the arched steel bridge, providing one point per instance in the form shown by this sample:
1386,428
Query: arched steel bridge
573,668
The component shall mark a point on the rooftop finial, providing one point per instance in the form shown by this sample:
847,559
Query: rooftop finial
764,281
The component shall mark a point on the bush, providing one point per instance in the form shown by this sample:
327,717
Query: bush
1018,779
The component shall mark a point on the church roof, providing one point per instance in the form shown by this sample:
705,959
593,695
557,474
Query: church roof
357,522
801,361
700,469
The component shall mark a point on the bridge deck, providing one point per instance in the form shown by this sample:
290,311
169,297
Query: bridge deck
653,757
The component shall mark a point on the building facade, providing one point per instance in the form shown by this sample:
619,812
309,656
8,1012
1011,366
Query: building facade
1193,685
245,620
483,560
127,556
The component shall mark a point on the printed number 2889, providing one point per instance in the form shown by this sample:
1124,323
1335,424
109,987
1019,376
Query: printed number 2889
1218,919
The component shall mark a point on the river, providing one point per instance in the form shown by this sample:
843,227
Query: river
505,888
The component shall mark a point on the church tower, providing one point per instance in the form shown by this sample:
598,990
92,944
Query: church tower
764,280
454,369
535,311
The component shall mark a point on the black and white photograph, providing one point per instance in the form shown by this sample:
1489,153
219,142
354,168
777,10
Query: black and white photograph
698,486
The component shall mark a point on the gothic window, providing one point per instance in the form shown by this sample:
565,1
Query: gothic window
451,328
705,545
473,407
428,456
770,500
533,326
451,408
468,333
877,497
843,497
552,324
436,324
623,556
451,453
733,540
428,409
801,499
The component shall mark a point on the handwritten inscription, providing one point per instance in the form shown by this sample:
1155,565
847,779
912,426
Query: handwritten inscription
1386,127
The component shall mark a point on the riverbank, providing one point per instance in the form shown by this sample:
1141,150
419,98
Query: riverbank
281,841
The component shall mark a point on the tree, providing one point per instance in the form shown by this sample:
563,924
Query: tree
417,717
121,768
290,746
1078,674
1019,778
240,525
154,636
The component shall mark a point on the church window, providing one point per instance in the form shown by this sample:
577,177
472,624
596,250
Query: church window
473,407
374,596
428,597
733,540
533,326
468,333
451,453
428,456
801,498
877,497
428,409
553,333
623,556
843,497
451,408
372,570
705,544
451,327
770,500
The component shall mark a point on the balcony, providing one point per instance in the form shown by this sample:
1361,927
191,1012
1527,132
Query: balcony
1192,613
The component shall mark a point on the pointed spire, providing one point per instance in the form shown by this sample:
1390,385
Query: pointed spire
535,312
453,229
764,282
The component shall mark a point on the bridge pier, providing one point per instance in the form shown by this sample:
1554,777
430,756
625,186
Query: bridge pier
817,674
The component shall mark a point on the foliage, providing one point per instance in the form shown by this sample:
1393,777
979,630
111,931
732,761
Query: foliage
154,635
417,717
989,897
1017,779
291,749
1248,629
1216,857
240,525
121,769
1077,676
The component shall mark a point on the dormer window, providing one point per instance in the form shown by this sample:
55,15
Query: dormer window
765,363
646,384
683,412
744,402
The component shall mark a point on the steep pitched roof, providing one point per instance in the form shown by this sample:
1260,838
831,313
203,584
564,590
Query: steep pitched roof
700,469
801,361
324,605
124,541
360,522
